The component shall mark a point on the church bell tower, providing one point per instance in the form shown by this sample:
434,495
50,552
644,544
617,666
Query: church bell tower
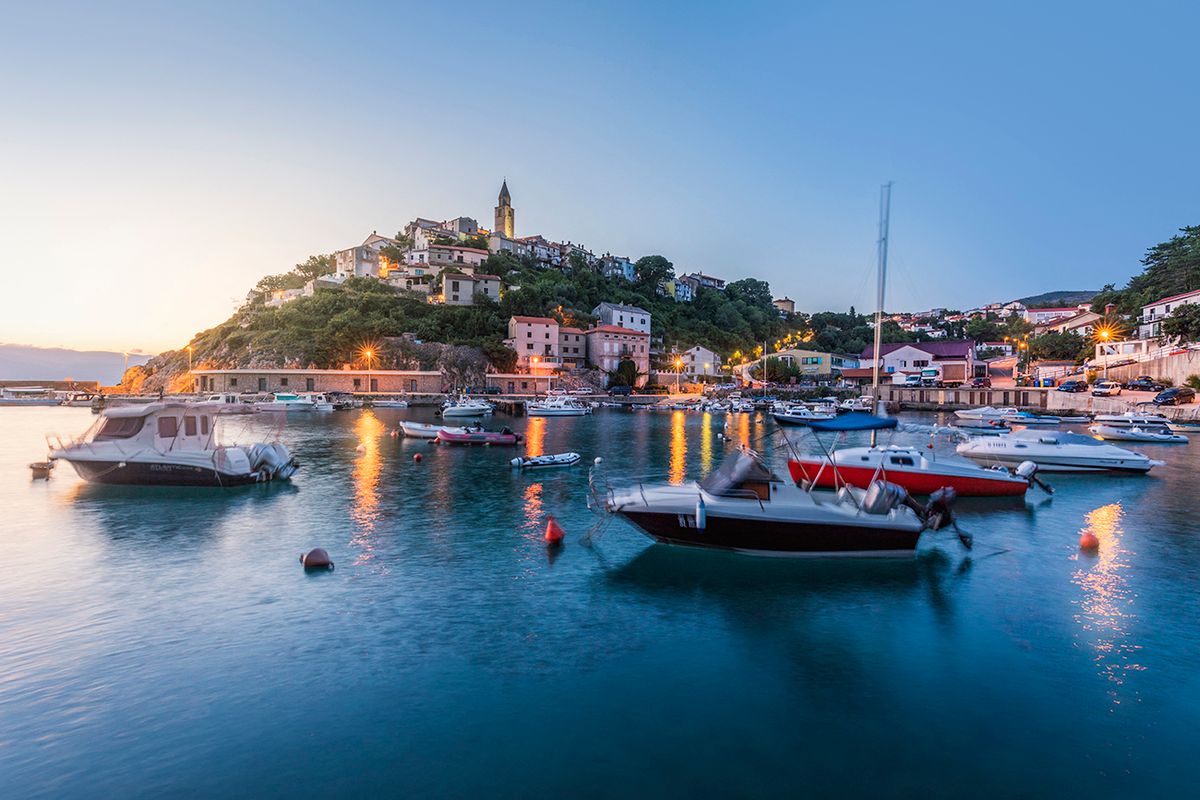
505,216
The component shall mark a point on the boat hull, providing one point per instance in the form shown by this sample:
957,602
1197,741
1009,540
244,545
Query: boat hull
1063,463
914,481
141,473
770,538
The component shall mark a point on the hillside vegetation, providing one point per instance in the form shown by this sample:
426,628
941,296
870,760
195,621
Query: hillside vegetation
1171,267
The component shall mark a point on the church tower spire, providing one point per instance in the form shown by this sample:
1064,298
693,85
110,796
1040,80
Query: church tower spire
505,216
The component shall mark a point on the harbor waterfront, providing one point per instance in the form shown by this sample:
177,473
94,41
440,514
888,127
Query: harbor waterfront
165,641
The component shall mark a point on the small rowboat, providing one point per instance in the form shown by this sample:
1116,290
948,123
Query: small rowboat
502,437
542,462
423,430
1135,434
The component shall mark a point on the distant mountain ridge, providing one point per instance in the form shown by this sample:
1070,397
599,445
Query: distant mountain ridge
25,362
1051,299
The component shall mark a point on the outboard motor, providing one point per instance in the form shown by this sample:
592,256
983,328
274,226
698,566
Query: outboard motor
1028,471
882,497
273,460
940,513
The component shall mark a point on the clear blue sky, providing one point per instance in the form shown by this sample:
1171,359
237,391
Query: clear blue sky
156,160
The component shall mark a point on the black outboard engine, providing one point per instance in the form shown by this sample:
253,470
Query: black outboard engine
1028,471
940,512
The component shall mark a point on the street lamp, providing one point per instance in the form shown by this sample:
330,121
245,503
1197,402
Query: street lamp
678,370
1105,334
368,354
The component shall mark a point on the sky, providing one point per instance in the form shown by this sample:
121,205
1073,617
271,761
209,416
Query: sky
157,159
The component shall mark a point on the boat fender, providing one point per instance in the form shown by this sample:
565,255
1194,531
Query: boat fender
416,458
516,462
1088,542
701,514
317,558
598,461
554,532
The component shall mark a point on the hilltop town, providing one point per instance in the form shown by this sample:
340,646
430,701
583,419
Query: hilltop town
466,305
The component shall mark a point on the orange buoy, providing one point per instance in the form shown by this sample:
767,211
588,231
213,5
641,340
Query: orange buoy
360,449
554,532
316,558
1088,541
417,457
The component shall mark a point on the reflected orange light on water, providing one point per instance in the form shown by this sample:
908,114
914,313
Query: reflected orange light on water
535,437
678,447
706,443
1105,609
532,497
369,430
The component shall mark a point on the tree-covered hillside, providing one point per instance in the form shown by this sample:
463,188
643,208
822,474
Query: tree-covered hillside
1171,267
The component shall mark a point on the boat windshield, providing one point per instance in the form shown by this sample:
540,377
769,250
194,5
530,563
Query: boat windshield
1056,437
119,428
740,475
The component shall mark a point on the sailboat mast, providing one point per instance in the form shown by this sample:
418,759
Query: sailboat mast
885,209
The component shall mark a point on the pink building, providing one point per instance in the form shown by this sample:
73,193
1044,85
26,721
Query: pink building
609,345
536,341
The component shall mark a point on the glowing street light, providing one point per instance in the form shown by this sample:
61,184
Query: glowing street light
367,355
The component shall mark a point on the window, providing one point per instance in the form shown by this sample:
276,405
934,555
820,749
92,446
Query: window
168,427
262,384
529,334
233,382
454,286
189,426
119,428
283,381
412,385
921,363
529,346
903,461
547,334
309,384
374,384
204,426
524,384
358,383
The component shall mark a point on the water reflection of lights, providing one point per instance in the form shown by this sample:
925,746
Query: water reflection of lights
365,511
535,437
1104,610
533,506
678,447
706,444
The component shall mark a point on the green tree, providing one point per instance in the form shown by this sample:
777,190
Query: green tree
1183,324
982,330
653,270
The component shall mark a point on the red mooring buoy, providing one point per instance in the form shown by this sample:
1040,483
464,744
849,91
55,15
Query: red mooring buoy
1088,541
417,457
316,558
554,532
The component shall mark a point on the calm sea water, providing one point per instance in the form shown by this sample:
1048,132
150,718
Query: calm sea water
167,643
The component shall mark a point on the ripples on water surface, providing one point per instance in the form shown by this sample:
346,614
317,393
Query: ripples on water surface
166,642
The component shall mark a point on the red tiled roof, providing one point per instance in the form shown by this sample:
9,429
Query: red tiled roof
857,373
536,320
569,330
954,348
1173,297
1071,309
616,329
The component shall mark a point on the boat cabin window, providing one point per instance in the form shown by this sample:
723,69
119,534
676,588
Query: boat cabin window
204,426
119,428
740,476
904,461
189,426
168,427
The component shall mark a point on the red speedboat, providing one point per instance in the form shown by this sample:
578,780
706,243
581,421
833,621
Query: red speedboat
907,467
466,436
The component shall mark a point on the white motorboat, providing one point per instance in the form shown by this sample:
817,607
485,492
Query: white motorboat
908,467
76,399
389,402
466,407
287,401
28,396
745,507
227,403
987,412
1135,434
1055,451
546,461
1026,418
559,406
798,414
1132,419
1184,426
168,444
864,403
423,430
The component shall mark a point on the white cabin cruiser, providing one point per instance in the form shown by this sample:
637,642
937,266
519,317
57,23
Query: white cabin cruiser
1055,451
1158,435
799,414
466,407
558,406
745,507
987,412
1132,419
864,403
168,444
287,401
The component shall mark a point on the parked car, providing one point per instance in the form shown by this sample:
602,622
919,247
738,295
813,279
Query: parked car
911,381
1106,389
981,383
620,391
1175,396
1144,383
1073,386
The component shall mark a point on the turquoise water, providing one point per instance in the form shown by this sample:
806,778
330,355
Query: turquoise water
167,642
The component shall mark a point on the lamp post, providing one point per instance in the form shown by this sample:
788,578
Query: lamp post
678,370
368,354
1105,333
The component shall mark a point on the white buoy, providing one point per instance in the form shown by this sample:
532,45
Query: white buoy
598,461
